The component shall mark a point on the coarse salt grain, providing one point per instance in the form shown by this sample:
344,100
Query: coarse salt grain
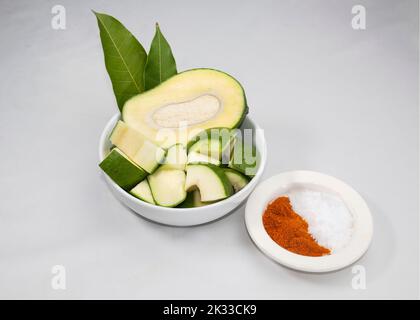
329,220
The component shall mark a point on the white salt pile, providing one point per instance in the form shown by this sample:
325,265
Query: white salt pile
329,220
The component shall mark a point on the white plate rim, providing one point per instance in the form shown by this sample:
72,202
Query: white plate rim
276,185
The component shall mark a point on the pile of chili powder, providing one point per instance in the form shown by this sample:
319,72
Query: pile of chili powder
290,230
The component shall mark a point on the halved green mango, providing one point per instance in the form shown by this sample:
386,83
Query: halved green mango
185,104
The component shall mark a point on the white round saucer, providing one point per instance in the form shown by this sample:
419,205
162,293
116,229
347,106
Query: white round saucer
282,183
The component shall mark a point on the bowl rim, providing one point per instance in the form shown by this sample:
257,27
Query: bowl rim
263,159
276,186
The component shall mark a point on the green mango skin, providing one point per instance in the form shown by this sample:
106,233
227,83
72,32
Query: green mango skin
122,171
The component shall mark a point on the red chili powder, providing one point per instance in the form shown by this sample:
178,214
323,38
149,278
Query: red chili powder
290,230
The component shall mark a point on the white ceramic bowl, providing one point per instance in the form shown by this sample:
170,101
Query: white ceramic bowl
184,216
281,184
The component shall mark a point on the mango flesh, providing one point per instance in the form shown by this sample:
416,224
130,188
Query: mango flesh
142,151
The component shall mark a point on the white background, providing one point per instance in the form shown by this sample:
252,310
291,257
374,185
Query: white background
330,99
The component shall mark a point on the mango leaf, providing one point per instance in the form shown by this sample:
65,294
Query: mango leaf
160,63
125,58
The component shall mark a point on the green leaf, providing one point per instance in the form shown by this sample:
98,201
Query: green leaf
125,58
160,63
